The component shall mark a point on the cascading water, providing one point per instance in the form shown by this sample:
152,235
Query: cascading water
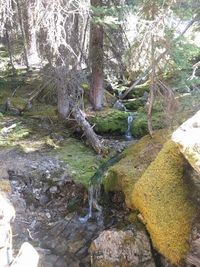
95,189
128,134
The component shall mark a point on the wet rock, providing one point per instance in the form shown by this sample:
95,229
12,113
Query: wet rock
121,248
119,105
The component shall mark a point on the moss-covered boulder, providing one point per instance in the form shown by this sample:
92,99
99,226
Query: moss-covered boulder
112,121
161,195
109,121
139,90
18,103
139,127
123,175
134,104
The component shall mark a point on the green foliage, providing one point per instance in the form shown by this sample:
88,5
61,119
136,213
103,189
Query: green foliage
183,53
111,15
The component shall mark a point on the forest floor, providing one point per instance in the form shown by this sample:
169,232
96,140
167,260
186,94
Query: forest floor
48,167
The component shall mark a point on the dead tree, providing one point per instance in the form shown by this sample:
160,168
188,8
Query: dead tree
96,60
7,37
69,102
22,29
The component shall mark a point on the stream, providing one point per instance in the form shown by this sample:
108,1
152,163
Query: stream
94,190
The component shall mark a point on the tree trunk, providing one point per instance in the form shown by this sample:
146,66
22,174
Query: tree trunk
63,103
21,23
33,52
32,32
9,50
96,61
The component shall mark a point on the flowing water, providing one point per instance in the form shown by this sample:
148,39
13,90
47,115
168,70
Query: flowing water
95,189
128,134
96,180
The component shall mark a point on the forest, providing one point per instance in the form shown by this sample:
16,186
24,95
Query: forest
99,133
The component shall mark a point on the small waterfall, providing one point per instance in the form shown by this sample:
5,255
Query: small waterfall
128,134
94,194
94,190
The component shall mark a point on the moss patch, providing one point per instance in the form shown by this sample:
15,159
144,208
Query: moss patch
140,127
19,103
82,161
42,110
5,186
134,104
109,121
123,175
12,131
161,195
139,90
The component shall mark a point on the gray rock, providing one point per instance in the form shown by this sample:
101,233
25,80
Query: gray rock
119,105
187,136
53,189
121,248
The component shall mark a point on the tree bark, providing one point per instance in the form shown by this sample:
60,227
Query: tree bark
9,50
96,61
21,23
63,103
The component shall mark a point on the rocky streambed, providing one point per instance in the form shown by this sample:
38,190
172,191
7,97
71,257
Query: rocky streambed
48,205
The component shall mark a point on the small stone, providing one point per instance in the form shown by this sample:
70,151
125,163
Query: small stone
48,215
44,199
53,189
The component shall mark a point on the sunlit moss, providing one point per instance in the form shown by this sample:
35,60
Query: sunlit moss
42,110
161,195
5,186
123,175
82,160
110,121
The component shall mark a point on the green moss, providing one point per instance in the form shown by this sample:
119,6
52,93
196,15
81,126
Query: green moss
82,160
109,121
161,195
134,104
123,175
11,135
140,127
42,110
139,90
4,94
19,103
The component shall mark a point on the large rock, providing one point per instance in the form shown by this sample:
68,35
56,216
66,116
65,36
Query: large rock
187,136
121,248
135,160
161,195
